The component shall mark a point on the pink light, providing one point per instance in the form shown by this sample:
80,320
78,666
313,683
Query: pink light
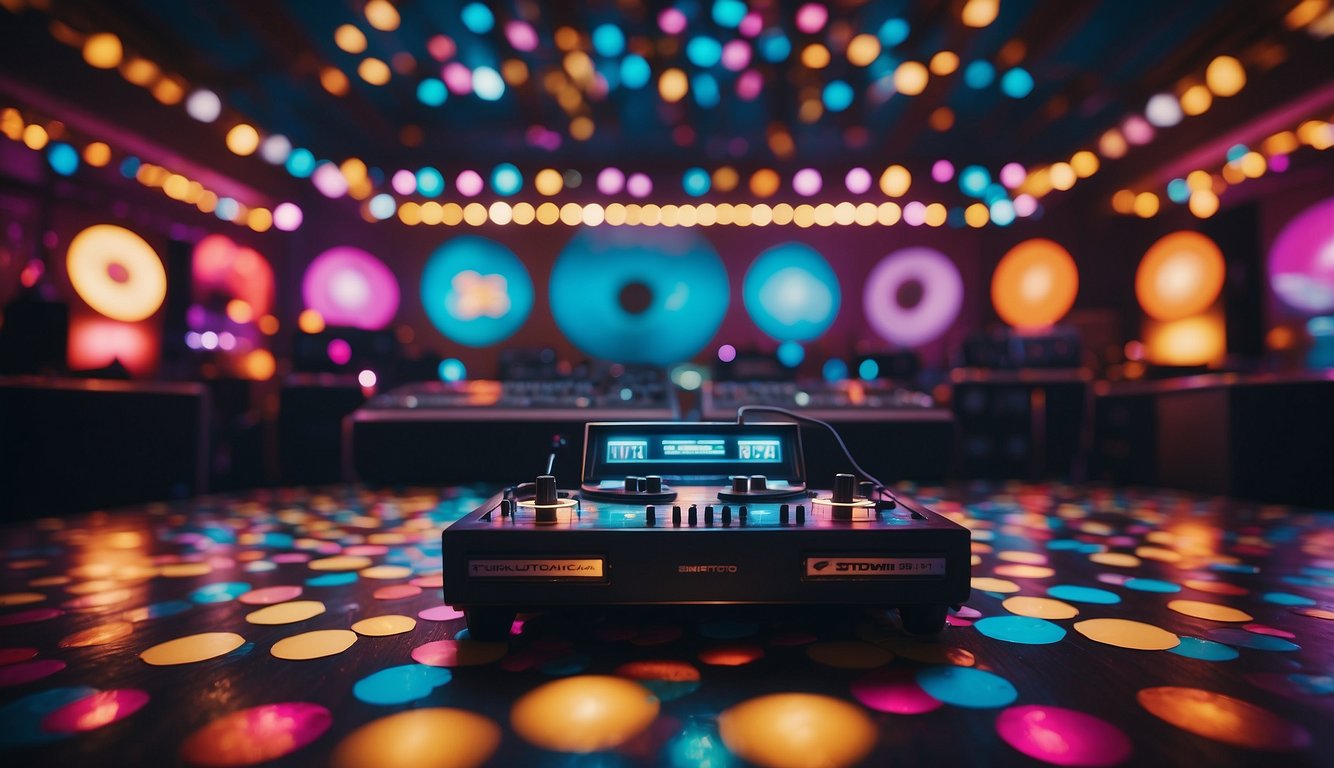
811,18
1012,175
208,340
521,35
329,181
1062,736
858,181
942,171
95,710
287,217
639,185
1137,130
611,181
727,353
914,214
404,182
340,352
736,55
226,341
1278,163
1025,205
672,21
931,314
469,184
350,287
749,85
751,25
807,182
441,47
894,690
1301,261
221,266
96,342
366,378
457,77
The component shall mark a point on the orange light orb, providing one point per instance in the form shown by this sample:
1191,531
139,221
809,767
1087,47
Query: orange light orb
1180,275
116,272
1035,284
310,321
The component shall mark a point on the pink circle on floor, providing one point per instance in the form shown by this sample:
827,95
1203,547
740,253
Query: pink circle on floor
440,613
1063,736
894,690
257,734
92,712
1262,629
270,595
15,655
28,671
29,616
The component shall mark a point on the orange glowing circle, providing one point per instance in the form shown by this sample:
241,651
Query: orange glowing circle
1180,275
797,729
116,272
310,321
584,713
1035,284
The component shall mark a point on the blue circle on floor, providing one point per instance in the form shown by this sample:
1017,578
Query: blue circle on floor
1152,585
400,685
1026,630
1205,650
967,687
1077,594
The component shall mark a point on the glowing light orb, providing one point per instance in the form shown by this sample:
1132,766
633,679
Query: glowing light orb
704,52
807,182
696,182
979,74
329,180
942,171
1179,276
639,185
432,92
487,84
300,163
478,18
619,295
727,353
913,296
838,96
220,266
791,353
452,369
203,105
62,158
858,181
350,287
506,179
96,342
430,182
610,181
1301,261
812,17
287,217
116,272
791,292
1035,284
469,183
476,291
1017,83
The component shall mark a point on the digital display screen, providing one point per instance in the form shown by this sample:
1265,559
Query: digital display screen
697,449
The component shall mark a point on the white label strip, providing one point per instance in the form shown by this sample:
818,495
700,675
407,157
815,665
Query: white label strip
536,568
873,567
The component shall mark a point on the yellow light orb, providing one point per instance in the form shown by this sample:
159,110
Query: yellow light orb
474,214
141,72
240,312
451,214
374,71
944,63
548,213
260,219
936,214
581,128
102,50
258,364
116,272
584,713
97,154
815,56
243,139
350,39
571,214
977,215
787,730
1035,284
1196,100
941,119
1225,76
1281,143
1305,12
524,213
35,136
1062,176
1180,275
888,214
1085,163
548,182
672,85
863,49
1203,203
176,186
895,181
1123,201
1146,205
1252,165
911,78
764,183
382,15
1196,180
725,179
334,81
310,321
979,13
268,325
1112,144
410,213
168,91
1196,340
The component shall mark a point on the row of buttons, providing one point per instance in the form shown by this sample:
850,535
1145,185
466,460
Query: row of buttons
692,515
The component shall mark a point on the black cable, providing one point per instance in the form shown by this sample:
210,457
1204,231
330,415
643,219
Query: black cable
879,486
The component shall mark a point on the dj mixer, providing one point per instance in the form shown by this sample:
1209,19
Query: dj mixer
701,513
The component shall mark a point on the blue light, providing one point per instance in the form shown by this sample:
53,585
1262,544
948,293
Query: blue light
837,96
609,40
226,209
622,297
300,163
868,370
1002,213
452,369
635,71
973,180
1320,326
476,291
791,292
994,192
704,51
790,353
705,90
728,13
774,46
1178,191
478,18
129,167
487,84
834,370
893,32
430,182
1236,152
1016,83
382,206
696,182
979,74
63,158
506,179
432,92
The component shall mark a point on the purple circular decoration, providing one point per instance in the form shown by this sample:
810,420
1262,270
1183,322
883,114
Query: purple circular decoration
611,181
942,171
807,182
1301,263
28,671
350,287
941,296
404,182
858,181
93,712
1063,736
469,183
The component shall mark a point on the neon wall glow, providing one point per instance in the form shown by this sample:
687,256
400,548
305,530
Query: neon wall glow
220,266
1034,285
96,342
1301,262
116,272
1180,275
476,291
913,296
618,295
350,287
1198,340
791,292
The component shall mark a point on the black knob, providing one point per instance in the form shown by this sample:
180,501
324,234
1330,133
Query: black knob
866,489
801,514
692,517
708,514
740,484
506,507
727,515
676,515
782,514
653,484
650,516
741,514
545,494
845,488
632,484
759,483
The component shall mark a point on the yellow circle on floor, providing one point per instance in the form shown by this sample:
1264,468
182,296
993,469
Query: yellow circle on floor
797,730
1211,611
387,572
314,645
586,713
988,584
192,648
286,613
382,626
340,563
437,737
1040,607
1124,633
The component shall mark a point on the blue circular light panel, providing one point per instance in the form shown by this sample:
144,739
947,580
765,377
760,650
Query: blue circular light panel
834,370
639,296
476,291
430,182
452,369
979,74
974,180
63,158
1017,83
837,96
300,163
487,84
791,353
791,292
704,51
478,18
893,32
696,182
608,40
432,92
506,179
729,13
635,71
